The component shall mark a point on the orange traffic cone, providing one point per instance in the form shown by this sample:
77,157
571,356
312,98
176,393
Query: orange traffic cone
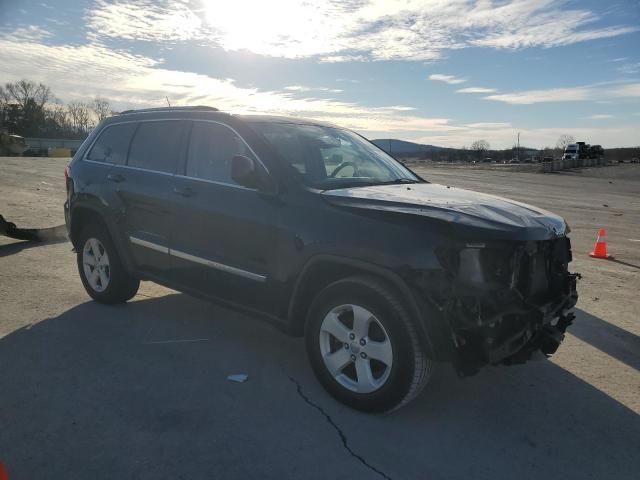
600,248
3,473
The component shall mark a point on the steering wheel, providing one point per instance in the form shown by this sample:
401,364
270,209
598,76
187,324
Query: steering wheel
343,165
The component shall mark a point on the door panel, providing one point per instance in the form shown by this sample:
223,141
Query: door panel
145,217
223,244
143,186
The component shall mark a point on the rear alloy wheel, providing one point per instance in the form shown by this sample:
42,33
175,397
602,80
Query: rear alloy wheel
101,271
364,347
95,261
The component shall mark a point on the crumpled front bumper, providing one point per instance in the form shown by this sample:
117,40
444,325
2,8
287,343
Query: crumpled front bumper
515,334
493,322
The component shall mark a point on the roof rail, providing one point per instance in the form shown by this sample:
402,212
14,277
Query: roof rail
202,108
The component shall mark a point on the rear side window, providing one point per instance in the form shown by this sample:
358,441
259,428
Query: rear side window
157,146
211,148
112,144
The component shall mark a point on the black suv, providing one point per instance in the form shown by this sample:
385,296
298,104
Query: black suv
316,229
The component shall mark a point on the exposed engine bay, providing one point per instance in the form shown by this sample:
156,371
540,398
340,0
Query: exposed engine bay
507,300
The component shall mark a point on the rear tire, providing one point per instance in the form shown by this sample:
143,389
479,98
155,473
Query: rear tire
364,347
101,271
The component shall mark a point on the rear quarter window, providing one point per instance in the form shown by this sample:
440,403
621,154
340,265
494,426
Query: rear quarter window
112,144
157,146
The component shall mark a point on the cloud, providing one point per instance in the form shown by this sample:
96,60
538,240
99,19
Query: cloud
476,90
450,79
145,20
629,68
401,108
529,97
628,90
358,30
300,88
29,33
343,58
597,93
489,125
131,81
600,116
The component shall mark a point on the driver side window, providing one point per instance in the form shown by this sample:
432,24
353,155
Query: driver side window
211,148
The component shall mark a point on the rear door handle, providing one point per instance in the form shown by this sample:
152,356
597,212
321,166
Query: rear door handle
184,192
115,178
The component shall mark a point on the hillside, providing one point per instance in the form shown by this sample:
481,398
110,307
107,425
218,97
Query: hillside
404,148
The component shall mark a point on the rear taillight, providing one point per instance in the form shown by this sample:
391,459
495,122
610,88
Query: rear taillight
67,178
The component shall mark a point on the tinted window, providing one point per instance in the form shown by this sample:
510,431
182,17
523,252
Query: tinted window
157,146
112,144
210,151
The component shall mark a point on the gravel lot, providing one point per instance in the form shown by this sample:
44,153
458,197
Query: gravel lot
140,390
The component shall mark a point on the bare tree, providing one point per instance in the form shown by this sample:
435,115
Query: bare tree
58,118
4,97
26,92
564,140
79,116
4,102
101,107
480,147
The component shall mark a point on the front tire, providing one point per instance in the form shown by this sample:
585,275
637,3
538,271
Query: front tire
364,347
101,271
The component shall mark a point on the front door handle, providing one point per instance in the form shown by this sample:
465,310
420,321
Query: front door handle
184,191
115,178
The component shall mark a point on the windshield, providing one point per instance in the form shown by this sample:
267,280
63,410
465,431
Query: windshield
570,150
328,158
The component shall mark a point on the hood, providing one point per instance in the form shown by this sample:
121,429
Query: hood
491,216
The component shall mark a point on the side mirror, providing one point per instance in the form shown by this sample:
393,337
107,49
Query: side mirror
244,172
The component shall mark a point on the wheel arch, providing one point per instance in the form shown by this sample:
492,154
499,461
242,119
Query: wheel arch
322,270
82,216
86,214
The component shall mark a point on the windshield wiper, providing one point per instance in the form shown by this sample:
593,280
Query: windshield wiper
398,181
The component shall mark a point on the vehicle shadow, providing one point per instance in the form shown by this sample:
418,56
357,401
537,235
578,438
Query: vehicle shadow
612,340
632,265
140,391
43,236
17,247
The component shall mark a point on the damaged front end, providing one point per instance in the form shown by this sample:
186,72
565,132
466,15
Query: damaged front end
506,300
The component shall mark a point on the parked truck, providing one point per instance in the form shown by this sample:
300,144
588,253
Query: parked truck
572,152
12,144
575,154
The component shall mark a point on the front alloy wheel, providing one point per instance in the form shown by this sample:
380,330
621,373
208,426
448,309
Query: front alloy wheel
356,348
363,345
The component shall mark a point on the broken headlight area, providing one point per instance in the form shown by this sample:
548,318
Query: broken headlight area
504,301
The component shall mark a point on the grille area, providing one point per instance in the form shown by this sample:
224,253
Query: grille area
543,269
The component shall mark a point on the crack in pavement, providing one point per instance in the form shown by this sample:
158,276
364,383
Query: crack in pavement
342,435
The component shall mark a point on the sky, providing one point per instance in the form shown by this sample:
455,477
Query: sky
441,72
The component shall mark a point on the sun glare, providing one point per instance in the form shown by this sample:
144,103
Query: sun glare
288,28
